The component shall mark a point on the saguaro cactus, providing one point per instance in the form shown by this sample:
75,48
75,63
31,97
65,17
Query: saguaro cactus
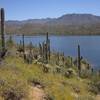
20,43
47,38
58,58
30,46
46,52
2,29
23,43
79,59
43,51
49,49
40,49
47,46
71,61
63,57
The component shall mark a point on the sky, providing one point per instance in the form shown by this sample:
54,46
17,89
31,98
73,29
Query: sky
35,9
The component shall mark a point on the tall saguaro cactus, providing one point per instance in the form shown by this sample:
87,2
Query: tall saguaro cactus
48,49
20,43
71,61
79,59
47,38
45,49
47,46
40,49
23,43
2,29
46,52
30,47
63,57
58,58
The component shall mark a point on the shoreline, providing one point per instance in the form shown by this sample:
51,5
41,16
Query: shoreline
55,34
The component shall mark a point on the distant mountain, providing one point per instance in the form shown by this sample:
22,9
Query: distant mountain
73,24
37,21
76,19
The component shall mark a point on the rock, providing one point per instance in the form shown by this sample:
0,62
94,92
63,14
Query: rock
70,72
76,90
2,82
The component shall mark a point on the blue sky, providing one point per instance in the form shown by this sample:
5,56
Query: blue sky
31,9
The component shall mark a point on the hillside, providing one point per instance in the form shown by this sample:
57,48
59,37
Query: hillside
20,80
69,24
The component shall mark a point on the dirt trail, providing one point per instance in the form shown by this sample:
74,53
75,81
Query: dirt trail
97,97
37,93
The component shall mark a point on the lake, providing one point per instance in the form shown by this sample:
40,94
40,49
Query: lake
90,46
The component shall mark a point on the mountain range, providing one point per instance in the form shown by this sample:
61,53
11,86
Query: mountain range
69,24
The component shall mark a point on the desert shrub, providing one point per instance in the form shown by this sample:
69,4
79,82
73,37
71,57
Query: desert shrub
83,97
94,85
70,73
85,74
36,81
49,97
13,89
93,89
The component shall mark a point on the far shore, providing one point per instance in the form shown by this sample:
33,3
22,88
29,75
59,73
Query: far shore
52,34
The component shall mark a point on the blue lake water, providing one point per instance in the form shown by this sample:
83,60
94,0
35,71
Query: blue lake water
90,46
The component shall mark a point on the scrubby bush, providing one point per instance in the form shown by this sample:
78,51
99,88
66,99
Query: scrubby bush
49,97
36,81
83,97
94,85
85,74
70,73
13,89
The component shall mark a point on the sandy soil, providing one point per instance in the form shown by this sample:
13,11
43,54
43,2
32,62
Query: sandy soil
98,97
37,93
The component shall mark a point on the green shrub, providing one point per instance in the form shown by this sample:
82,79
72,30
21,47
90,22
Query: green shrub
85,74
94,85
85,98
13,89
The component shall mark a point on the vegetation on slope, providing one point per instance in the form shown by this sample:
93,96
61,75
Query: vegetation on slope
16,78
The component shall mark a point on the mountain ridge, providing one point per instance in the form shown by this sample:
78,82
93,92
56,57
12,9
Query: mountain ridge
82,24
